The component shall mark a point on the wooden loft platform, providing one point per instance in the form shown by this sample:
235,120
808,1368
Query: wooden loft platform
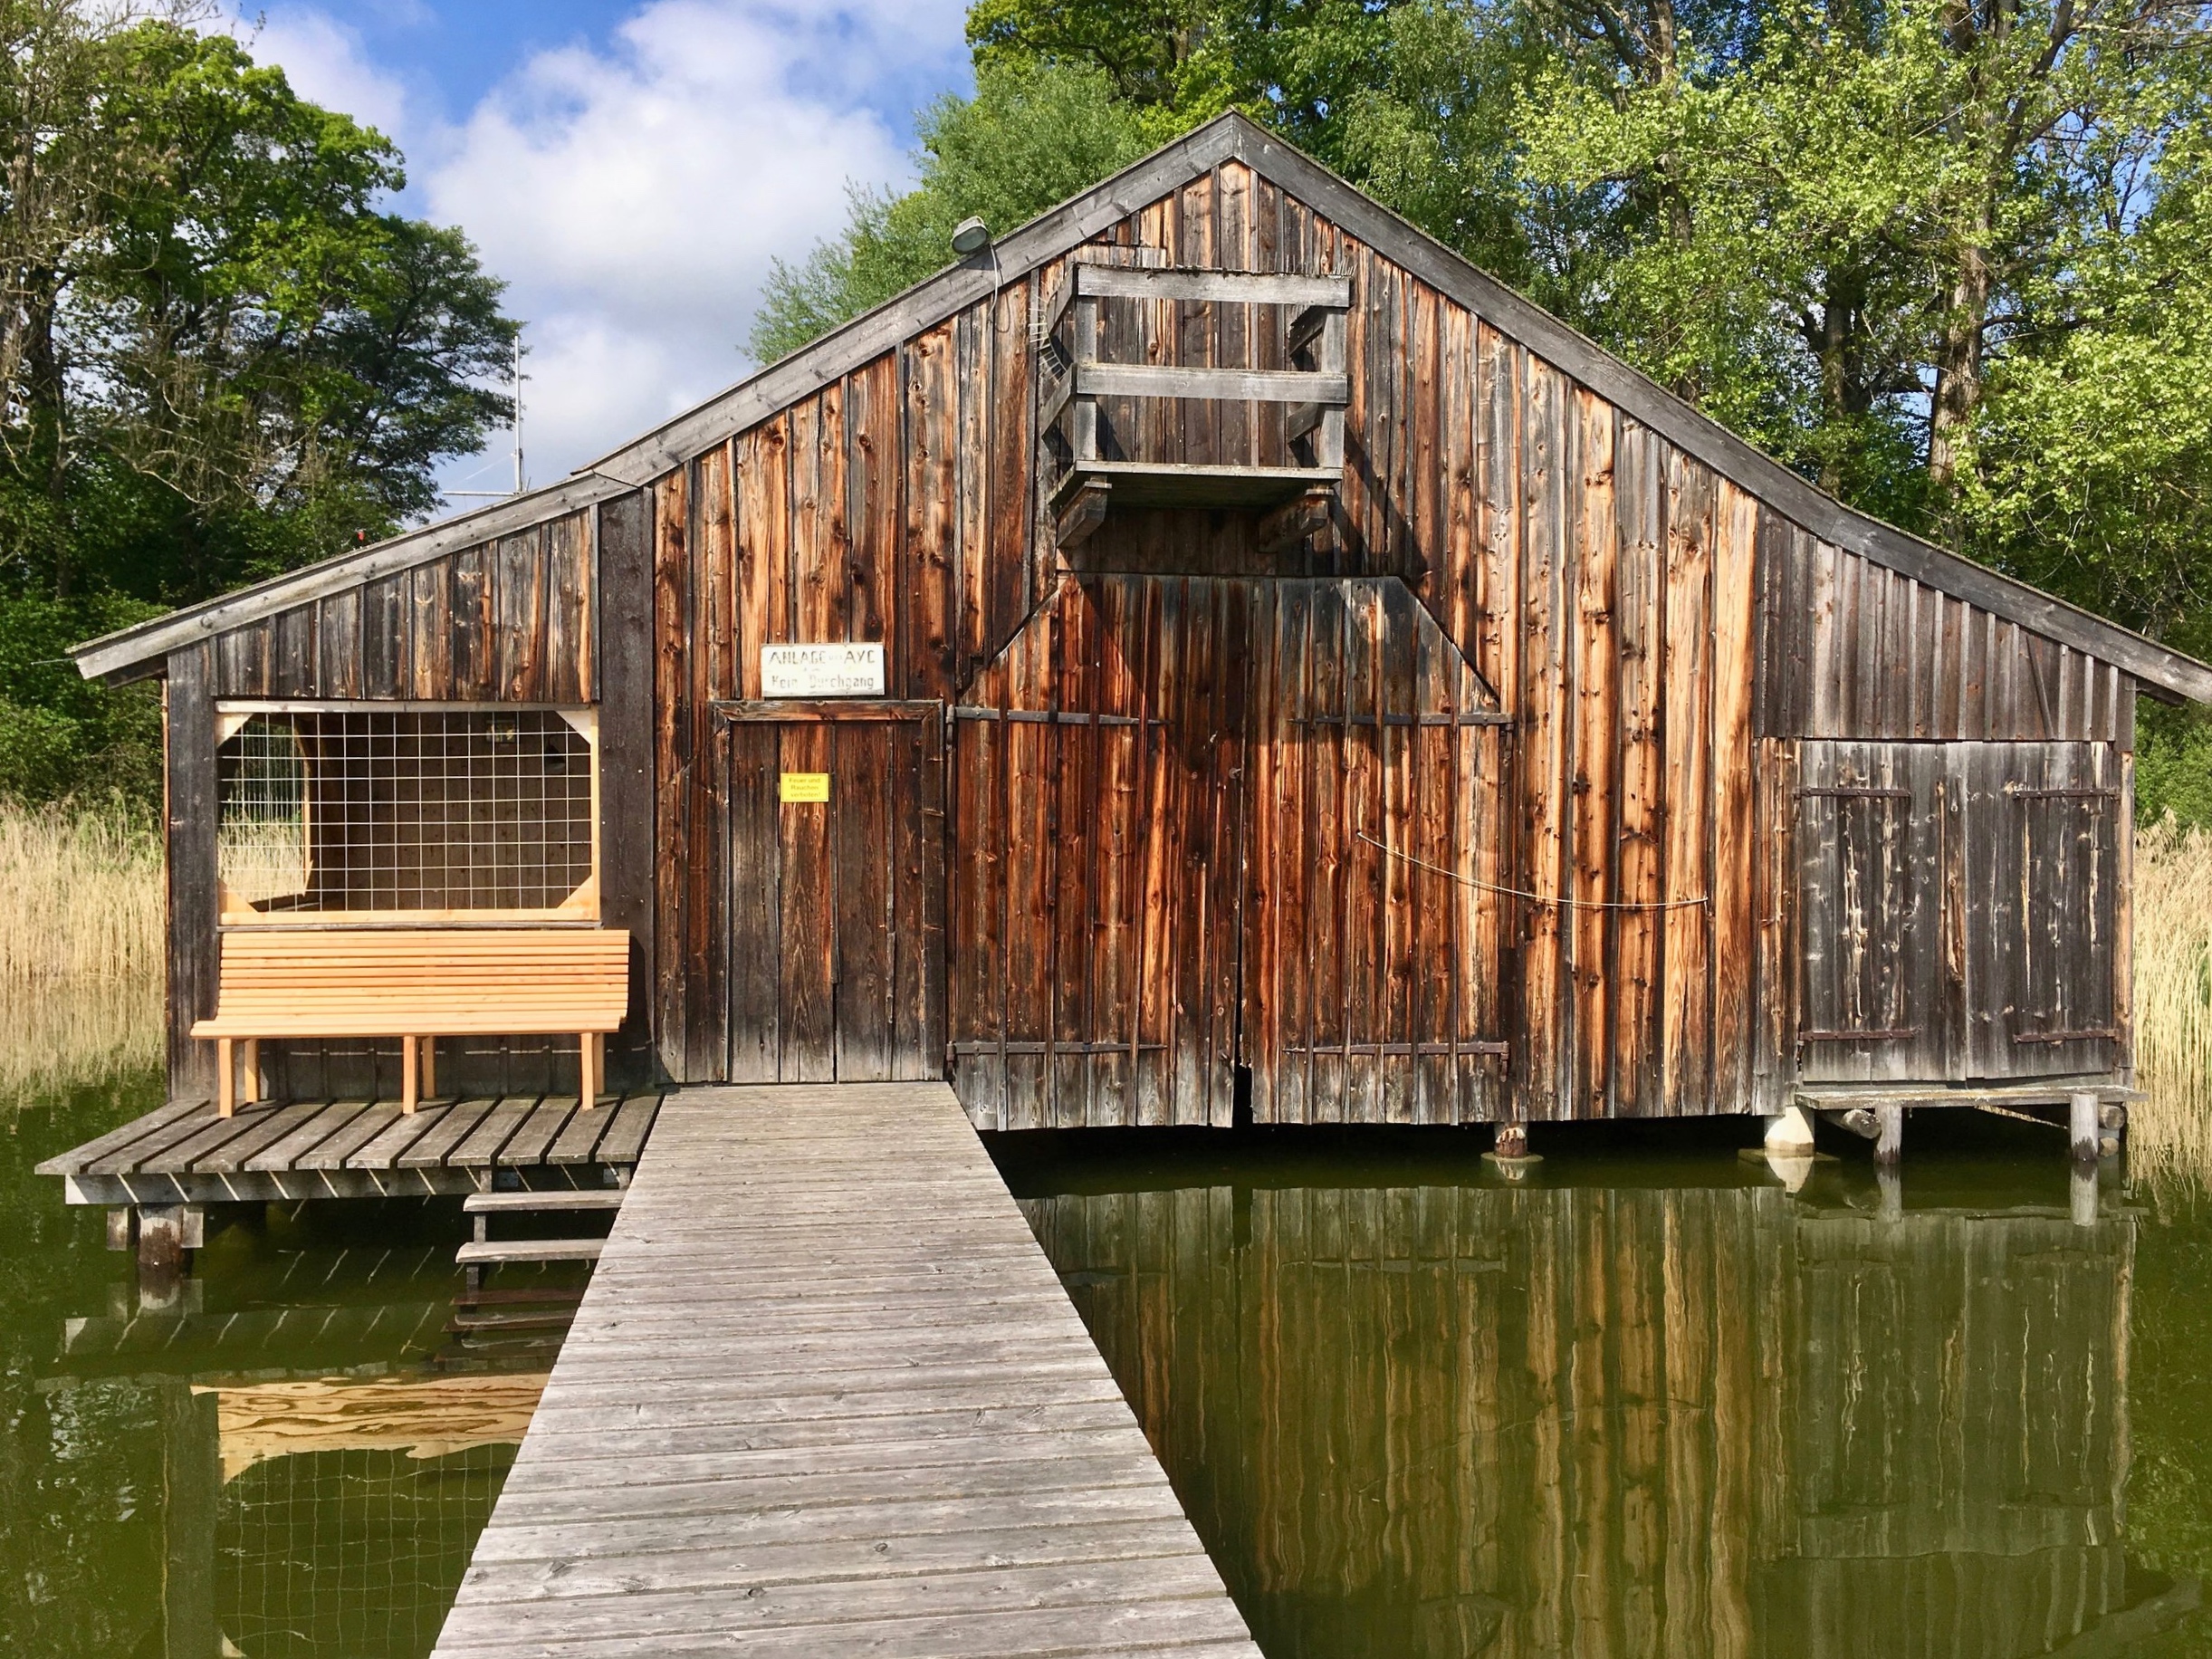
184,1153
1317,388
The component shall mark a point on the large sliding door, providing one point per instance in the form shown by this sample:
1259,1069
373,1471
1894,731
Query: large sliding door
836,893
1225,840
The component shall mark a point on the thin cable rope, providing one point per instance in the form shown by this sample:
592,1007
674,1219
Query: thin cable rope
1538,899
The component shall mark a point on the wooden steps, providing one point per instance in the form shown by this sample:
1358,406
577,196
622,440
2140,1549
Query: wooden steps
487,1252
534,1203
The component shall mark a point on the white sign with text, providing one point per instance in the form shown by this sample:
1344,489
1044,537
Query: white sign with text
822,670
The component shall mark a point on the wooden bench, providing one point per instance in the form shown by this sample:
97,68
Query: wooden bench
418,985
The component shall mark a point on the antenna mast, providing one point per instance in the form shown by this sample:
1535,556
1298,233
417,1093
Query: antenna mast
519,485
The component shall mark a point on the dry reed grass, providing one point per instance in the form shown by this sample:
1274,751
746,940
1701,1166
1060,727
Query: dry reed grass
81,928
84,898
2170,1129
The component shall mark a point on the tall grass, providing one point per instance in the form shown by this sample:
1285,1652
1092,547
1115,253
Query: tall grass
81,946
2170,1129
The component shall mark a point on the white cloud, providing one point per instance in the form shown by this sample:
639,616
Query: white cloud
325,64
632,191
635,195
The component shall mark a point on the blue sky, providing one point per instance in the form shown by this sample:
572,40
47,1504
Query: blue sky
629,168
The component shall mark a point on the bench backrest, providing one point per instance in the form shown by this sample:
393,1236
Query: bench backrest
333,981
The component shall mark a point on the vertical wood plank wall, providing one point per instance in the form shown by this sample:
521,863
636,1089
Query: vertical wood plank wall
1647,625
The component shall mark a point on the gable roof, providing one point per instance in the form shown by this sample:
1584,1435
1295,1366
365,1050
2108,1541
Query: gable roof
135,650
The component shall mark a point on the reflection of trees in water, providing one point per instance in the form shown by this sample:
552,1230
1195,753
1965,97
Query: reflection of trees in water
1445,1421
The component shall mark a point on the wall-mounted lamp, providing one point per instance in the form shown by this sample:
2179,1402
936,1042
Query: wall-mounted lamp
970,236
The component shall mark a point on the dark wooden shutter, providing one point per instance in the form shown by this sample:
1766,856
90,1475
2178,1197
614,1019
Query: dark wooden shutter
2045,826
1875,993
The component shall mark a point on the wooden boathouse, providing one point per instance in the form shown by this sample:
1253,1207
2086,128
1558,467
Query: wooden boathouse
1212,655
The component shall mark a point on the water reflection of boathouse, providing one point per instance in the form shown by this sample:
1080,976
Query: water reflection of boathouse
1459,1420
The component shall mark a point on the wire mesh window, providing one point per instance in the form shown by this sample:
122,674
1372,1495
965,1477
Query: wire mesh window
484,812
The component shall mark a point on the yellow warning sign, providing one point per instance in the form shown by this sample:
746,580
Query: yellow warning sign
805,786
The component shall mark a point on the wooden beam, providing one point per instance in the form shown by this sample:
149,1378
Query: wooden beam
1293,521
1232,287
1170,380
1084,512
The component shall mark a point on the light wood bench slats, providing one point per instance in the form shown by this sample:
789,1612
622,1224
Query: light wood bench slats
418,985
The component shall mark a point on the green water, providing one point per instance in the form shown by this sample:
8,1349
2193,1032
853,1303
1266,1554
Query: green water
143,1510
1649,1401
1646,1401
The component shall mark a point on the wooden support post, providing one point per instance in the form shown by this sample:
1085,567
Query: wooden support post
2082,1127
1890,1138
1512,1140
410,1074
122,1227
430,1067
1083,427
226,1078
252,1092
2115,1140
587,1079
164,1232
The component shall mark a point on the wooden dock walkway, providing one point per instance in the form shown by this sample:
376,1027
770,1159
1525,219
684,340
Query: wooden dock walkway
826,1396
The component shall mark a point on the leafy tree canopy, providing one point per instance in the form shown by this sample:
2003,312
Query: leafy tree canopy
221,356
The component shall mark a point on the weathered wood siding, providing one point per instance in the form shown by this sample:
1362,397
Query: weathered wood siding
507,621
1853,650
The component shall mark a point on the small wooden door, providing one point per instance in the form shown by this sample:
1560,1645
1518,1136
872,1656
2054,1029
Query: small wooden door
837,931
1879,989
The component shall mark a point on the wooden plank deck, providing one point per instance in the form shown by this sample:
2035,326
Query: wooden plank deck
183,1153
825,1395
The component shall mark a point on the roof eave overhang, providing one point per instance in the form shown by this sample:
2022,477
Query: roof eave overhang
2162,672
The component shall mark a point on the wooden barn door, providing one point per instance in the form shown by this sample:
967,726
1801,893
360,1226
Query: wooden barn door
2046,828
1960,911
1879,977
1373,931
1215,834
836,893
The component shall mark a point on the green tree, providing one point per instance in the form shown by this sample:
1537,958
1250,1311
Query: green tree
1028,139
221,356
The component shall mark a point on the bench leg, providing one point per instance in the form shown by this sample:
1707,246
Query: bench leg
430,1067
252,1092
587,1085
411,1072
226,1078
